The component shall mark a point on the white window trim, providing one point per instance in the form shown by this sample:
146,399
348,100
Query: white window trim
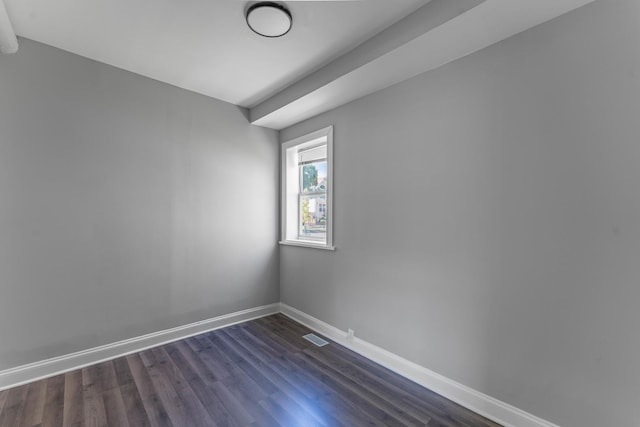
289,189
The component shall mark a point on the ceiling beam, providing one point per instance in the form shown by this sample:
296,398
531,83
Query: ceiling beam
430,16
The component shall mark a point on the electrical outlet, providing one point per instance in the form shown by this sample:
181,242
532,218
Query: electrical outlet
350,334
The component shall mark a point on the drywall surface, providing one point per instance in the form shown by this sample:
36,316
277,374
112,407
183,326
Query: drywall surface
127,206
487,220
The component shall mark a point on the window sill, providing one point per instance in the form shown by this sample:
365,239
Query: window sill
307,244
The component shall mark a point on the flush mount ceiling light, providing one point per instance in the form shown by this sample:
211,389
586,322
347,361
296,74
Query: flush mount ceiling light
269,19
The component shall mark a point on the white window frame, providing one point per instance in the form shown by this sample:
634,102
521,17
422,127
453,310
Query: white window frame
290,189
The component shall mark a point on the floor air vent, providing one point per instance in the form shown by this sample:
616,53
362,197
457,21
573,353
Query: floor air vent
315,339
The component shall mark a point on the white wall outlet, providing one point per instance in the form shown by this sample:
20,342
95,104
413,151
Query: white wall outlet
350,334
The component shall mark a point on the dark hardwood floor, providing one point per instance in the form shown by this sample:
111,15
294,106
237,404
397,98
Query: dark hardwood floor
258,373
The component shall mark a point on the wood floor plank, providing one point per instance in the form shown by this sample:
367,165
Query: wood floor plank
94,410
201,380
260,373
261,353
247,392
34,405
317,384
136,412
181,350
437,407
114,406
253,344
14,406
165,391
235,407
247,362
211,356
357,400
278,413
316,356
283,403
151,402
3,398
197,414
322,408
372,384
314,388
239,383
54,402
73,410
393,413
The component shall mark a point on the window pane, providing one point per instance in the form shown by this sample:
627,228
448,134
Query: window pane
314,177
313,216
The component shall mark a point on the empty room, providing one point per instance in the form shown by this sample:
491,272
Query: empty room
320,213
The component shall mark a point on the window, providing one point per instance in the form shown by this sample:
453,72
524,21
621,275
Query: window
307,181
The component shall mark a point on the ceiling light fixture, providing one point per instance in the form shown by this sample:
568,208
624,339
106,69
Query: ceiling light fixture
269,19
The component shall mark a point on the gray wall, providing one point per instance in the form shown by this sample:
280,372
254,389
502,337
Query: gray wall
487,220
127,206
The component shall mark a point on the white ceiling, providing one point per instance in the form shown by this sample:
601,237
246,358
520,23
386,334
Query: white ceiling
205,45
337,50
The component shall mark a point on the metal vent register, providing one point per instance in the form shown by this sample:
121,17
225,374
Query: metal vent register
315,339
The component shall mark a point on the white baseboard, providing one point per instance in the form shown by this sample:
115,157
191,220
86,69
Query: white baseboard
485,405
57,365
